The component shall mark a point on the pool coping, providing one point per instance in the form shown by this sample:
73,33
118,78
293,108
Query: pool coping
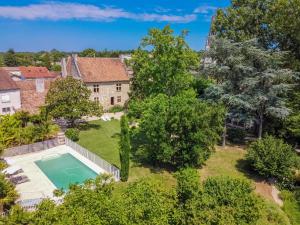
40,186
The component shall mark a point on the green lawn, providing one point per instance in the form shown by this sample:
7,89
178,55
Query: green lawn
101,138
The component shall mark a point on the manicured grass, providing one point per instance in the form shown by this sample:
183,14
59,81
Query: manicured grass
227,162
102,138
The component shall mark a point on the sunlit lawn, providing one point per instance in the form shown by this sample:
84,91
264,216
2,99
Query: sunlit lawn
102,138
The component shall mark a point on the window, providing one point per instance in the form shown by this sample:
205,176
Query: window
119,99
96,99
118,87
96,88
6,110
112,100
5,98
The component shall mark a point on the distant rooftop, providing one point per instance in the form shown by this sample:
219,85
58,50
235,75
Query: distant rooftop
6,82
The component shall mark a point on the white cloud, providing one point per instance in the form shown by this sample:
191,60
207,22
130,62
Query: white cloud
205,9
66,11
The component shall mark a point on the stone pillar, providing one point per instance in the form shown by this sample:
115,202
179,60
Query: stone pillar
61,138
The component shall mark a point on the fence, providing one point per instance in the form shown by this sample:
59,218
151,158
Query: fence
95,159
35,147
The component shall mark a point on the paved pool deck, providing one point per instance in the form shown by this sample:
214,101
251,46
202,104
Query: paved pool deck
39,185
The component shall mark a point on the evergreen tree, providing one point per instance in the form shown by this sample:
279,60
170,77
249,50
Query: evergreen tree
249,81
124,146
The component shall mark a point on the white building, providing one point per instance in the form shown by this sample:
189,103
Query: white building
10,100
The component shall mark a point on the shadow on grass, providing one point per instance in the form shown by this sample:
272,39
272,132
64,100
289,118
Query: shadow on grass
88,126
244,167
156,169
116,135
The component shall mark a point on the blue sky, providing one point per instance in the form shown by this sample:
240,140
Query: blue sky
34,25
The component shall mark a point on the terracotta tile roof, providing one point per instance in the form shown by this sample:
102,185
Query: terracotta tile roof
6,83
32,72
101,69
31,100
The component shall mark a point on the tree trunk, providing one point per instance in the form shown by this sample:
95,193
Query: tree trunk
260,129
224,135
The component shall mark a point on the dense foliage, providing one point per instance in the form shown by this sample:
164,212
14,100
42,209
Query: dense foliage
249,81
89,52
72,134
22,128
8,194
272,158
124,145
43,58
274,23
180,131
69,99
220,200
166,68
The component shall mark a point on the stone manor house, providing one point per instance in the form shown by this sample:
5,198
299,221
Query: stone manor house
107,78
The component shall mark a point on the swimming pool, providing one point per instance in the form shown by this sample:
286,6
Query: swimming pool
64,170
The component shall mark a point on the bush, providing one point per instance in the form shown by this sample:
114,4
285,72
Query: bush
116,108
72,133
188,184
272,158
224,200
236,135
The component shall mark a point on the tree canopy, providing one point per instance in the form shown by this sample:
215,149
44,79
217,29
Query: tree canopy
249,81
69,98
165,68
275,23
220,200
180,131
272,158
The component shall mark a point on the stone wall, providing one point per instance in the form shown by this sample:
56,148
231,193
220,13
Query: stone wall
107,91
35,147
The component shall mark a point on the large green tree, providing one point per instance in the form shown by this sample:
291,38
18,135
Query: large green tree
249,80
69,98
124,146
165,68
180,131
275,23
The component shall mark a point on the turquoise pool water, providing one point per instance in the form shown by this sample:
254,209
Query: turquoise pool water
64,170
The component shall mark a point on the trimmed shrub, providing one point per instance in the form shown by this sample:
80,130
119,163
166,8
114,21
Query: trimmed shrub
124,146
272,158
72,133
116,108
